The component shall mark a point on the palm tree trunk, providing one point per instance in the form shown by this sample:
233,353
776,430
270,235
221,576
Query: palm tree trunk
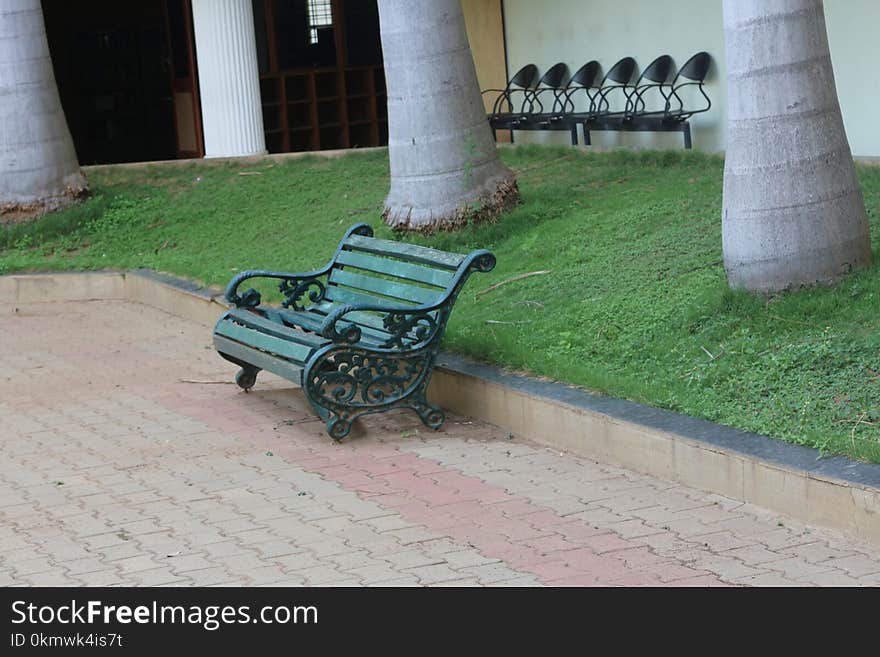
38,166
445,170
793,212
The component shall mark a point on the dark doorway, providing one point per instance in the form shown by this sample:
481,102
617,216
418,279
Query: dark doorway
114,67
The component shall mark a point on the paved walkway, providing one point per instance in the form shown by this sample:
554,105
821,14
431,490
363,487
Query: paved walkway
121,466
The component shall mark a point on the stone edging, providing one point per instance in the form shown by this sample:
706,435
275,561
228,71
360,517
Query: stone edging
833,492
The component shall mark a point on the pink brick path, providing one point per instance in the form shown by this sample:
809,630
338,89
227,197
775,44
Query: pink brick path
114,470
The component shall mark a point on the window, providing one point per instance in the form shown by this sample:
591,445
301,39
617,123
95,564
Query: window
304,33
320,15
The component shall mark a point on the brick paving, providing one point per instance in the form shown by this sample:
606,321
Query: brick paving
124,463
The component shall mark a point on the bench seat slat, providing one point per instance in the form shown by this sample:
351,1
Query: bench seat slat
256,321
402,291
281,367
373,322
396,268
405,251
284,348
370,336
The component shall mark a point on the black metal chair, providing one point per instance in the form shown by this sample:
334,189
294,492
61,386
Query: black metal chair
547,100
654,78
505,111
584,80
694,72
675,115
616,81
618,78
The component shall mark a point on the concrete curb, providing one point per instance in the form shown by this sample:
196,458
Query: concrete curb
265,158
828,491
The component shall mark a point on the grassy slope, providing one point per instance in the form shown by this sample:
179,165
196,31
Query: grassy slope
636,304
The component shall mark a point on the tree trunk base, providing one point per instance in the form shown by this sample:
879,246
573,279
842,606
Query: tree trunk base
19,213
496,197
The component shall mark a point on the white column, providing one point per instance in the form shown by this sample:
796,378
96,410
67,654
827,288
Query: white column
229,79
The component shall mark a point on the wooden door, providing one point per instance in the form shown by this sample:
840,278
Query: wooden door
184,79
485,27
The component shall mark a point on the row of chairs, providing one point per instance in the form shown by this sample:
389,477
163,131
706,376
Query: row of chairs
557,101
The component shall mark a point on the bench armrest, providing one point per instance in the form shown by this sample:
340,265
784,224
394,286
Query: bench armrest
292,285
415,325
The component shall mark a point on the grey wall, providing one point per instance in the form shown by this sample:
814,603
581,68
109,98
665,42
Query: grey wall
576,31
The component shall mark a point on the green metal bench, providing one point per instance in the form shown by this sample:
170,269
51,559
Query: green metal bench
360,335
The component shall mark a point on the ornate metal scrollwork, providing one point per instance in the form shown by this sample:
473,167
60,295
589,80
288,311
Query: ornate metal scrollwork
485,262
293,286
353,378
295,289
412,327
250,298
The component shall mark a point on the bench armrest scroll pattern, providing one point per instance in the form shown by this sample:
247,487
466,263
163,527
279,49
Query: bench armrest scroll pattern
294,287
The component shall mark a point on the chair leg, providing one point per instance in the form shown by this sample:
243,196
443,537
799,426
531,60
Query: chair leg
587,141
574,135
686,129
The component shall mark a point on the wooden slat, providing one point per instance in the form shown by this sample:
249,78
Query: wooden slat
402,291
371,325
397,268
303,319
313,317
369,320
264,325
374,322
344,295
269,343
404,251
283,368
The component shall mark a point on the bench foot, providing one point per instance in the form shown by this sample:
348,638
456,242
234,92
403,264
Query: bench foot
247,377
338,428
432,416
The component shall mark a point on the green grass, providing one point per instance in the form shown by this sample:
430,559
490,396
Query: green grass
635,305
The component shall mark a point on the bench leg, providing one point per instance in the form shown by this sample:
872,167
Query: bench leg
338,427
432,416
686,129
587,141
574,135
342,383
247,377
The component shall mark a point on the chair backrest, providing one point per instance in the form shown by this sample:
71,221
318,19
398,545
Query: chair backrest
525,78
621,72
586,75
657,71
696,68
556,77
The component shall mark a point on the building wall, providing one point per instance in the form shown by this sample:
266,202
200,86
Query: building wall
575,31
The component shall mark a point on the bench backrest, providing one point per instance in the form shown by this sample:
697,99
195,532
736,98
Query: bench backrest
368,270
386,273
